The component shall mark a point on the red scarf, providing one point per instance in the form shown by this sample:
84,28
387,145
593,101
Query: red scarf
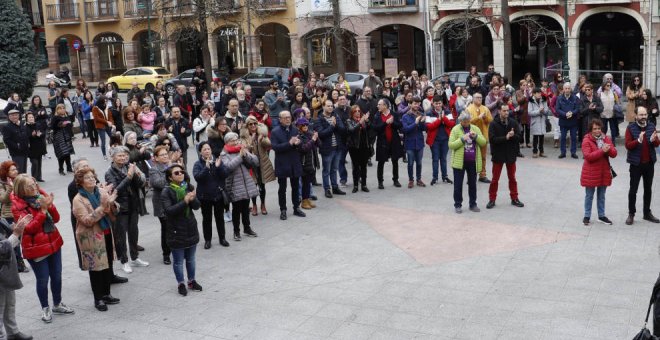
388,127
232,149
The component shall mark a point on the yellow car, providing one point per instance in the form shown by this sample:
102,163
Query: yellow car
146,77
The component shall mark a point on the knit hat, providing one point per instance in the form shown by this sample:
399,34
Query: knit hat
302,121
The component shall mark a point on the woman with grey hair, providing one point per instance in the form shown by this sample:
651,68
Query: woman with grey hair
239,184
127,179
466,141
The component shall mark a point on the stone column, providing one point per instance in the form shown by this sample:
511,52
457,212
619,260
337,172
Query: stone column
253,51
296,51
213,50
573,59
53,58
364,53
171,47
131,54
498,54
90,63
438,57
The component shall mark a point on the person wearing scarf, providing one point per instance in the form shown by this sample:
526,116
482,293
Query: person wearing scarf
93,208
41,242
386,125
596,176
178,199
358,126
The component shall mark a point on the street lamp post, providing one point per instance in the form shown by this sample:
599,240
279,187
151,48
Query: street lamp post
566,68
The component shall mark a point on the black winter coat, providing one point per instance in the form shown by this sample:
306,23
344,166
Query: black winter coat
503,150
307,147
181,230
16,138
385,150
181,138
210,181
37,143
128,189
287,157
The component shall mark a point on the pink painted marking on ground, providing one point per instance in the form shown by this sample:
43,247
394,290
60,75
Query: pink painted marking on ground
432,238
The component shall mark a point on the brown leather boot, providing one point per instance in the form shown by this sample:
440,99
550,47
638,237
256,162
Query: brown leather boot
311,203
305,204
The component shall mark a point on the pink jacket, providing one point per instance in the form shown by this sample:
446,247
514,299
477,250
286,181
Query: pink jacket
146,120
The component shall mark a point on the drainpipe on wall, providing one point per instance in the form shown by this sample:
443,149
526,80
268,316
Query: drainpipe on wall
429,42
88,51
650,40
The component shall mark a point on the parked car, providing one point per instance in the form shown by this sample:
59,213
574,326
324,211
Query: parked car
185,78
458,77
145,76
259,78
355,80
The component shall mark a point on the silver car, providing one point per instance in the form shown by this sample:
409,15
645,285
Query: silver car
355,80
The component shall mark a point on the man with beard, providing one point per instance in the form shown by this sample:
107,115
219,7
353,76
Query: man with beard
641,141
368,103
504,134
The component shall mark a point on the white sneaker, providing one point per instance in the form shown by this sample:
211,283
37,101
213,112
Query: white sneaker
227,216
63,309
139,263
46,315
127,268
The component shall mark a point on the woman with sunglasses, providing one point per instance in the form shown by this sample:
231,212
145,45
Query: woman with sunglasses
179,199
254,136
633,93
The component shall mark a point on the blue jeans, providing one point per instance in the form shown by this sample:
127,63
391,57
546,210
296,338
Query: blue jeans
439,151
415,156
50,267
178,255
81,122
330,166
600,200
102,134
574,141
471,169
343,173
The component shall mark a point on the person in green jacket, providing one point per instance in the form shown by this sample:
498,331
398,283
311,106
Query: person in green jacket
466,141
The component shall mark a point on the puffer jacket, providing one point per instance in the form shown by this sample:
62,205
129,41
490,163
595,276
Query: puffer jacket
128,196
210,181
35,242
5,200
239,184
181,229
596,167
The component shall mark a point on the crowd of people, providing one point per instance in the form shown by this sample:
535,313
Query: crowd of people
308,126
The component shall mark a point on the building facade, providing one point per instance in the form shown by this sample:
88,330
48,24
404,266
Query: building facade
103,38
618,36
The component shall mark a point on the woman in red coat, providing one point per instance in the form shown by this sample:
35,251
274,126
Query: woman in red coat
596,176
41,242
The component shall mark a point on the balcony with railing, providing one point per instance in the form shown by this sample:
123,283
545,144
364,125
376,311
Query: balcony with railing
393,6
102,10
35,18
271,5
223,7
181,8
63,13
137,9
454,5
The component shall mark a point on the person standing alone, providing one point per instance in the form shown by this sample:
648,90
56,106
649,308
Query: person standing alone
504,134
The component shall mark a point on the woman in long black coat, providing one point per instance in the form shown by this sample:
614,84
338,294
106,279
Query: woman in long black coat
37,136
62,138
386,125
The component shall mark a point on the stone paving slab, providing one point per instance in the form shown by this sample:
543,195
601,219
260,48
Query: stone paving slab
336,275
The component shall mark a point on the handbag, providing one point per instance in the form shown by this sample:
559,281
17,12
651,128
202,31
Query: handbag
548,125
618,111
225,196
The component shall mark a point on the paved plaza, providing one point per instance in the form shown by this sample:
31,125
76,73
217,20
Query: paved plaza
390,264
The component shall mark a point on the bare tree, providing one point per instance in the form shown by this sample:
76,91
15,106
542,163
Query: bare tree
475,17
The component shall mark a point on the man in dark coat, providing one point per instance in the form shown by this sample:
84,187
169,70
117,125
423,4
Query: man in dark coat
179,127
16,139
386,125
368,103
342,113
285,142
504,136
590,107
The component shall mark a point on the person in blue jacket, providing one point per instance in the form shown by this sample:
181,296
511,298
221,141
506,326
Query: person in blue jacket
414,123
568,109
285,142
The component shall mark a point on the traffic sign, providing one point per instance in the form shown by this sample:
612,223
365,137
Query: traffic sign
77,44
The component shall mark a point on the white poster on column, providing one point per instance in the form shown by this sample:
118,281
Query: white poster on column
320,5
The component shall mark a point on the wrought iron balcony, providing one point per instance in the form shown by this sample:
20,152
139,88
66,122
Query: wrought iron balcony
137,9
35,18
393,6
101,10
63,14
452,5
525,3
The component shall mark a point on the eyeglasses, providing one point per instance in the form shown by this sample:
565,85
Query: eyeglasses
251,124
88,178
177,173
161,155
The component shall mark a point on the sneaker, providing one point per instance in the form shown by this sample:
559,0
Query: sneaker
127,268
585,221
237,237
475,209
46,315
63,309
182,289
166,260
139,263
605,220
250,232
227,216
193,285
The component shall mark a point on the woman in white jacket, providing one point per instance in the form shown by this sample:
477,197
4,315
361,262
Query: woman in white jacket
538,112
201,123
